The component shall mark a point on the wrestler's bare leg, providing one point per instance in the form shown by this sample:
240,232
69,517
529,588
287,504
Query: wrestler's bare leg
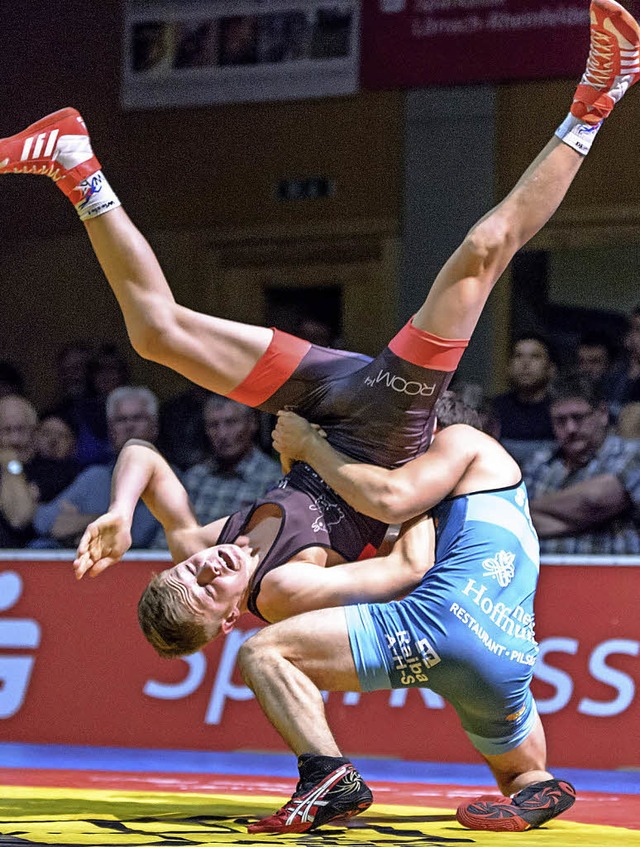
525,764
461,289
287,665
213,352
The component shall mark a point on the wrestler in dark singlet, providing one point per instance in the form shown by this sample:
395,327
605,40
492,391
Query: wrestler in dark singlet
377,410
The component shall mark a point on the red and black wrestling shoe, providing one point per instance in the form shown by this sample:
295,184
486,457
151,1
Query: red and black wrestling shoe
534,805
57,146
330,790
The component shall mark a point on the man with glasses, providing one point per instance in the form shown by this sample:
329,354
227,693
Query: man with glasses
585,490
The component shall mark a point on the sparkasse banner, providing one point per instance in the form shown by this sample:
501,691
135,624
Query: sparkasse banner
75,669
415,43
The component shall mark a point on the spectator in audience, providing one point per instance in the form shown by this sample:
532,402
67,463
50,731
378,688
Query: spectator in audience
106,370
235,471
132,412
18,495
73,372
597,359
627,384
584,492
182,439
628,423
11,380
54,465
523,411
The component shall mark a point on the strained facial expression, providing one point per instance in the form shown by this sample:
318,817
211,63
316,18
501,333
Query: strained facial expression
211,585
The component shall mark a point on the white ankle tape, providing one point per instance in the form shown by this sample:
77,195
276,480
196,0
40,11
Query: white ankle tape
577,134
97,197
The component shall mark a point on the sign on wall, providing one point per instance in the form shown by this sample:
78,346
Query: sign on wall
75,669
196,52
414,43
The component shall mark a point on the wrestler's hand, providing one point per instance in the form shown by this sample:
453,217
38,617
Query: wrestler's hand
293,437
104,542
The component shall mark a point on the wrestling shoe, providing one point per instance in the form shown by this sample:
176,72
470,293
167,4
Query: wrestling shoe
534,805
324,794
57,146
613,64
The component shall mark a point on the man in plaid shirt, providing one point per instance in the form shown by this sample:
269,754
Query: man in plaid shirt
585,491
236,471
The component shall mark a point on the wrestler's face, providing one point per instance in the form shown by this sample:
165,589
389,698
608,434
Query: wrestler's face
211,585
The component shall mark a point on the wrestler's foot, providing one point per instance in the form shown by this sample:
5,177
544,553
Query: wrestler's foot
534,805
57,146
325,793
613,64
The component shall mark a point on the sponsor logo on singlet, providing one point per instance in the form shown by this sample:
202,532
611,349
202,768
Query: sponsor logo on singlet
403,386
500,567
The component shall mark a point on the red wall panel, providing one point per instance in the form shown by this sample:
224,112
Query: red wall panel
74,669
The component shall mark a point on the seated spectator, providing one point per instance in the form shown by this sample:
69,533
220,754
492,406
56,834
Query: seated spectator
18,495
628,423
132,412
73,372
597,359
182,440
54,465
106,371
584,492
631,388
523,411
235,471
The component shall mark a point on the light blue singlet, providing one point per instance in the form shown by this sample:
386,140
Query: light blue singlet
467,631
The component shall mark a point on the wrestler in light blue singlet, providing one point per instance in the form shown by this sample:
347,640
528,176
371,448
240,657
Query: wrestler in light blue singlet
467,631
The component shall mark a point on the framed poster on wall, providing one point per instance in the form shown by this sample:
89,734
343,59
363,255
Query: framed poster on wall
198,52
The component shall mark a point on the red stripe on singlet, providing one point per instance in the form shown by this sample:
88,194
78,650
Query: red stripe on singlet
426,350
272,369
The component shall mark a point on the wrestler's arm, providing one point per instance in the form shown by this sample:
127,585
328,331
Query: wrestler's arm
141,472
392,496
303,587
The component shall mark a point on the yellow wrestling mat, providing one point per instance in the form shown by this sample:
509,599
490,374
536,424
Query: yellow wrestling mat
30,816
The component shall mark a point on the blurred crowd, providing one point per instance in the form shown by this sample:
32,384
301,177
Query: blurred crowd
573,425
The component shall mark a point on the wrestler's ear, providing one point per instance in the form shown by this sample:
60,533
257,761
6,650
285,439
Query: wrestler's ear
230,621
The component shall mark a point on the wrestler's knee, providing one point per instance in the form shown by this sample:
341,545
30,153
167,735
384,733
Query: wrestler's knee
252,655
149,330
490,238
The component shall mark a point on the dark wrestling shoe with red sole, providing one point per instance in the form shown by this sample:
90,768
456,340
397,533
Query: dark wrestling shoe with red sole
530,808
